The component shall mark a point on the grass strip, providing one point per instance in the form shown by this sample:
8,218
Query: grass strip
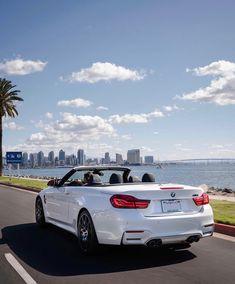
30,183
224,211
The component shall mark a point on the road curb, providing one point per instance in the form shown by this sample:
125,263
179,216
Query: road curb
225,229
20,187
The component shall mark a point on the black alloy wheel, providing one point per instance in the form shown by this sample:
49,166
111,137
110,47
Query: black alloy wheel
39,213
86,234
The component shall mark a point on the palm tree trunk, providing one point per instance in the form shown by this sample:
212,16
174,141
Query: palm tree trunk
1,165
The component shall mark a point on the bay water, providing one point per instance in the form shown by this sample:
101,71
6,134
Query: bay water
217,174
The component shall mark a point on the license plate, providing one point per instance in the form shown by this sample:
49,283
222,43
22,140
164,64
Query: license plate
171,206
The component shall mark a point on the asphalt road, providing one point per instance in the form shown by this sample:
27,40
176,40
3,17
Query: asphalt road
50,255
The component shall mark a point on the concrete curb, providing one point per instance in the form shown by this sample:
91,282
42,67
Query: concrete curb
225,229
20,187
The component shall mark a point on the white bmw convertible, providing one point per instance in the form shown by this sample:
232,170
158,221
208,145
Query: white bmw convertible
107,205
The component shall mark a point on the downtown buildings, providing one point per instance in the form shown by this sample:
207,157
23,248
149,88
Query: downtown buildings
40,160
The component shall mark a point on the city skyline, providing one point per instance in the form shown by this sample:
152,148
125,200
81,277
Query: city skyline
111,76
39,159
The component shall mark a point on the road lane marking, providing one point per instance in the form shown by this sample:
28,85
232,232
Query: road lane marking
19,269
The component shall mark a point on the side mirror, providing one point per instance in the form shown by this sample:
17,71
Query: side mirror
52,182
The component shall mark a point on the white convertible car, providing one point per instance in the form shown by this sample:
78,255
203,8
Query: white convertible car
107,205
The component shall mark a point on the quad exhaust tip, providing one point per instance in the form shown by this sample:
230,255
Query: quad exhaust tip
155,243
193,239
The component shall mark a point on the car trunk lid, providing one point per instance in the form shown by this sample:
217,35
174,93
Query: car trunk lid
167,199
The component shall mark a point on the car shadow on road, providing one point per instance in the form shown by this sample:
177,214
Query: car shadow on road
54,251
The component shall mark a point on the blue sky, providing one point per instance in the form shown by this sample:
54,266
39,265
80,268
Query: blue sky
116,75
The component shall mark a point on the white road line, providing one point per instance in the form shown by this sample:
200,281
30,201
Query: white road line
19,269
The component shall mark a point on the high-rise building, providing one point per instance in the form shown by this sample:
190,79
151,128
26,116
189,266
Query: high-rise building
70,160
133,156
51,157
148,160
56,161
25,159
40,159
106,158
33,159
119,159
92,162
80,157
61,155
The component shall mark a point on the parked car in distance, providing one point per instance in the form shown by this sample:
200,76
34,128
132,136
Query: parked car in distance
108,205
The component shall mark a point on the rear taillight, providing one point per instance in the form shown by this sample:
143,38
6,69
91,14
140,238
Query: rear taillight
128,201
201,200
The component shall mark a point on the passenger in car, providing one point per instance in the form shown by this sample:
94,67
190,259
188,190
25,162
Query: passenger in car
87,178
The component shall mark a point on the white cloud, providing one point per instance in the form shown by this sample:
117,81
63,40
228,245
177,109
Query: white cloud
70,131
221,67
12,126
221,90
217,146
223,153
186,149
146,149
78,103
105,71
102,108
170,108
39,124
22,67
126,137
71,121
219,150
180,147
128,118
49,115
135,118
177,145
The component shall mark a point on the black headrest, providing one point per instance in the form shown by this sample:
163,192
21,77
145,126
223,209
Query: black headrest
133,179
115,178
148,178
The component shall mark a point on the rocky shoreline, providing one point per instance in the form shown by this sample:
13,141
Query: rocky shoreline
218,191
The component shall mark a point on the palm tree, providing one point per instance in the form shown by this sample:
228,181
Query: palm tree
8,97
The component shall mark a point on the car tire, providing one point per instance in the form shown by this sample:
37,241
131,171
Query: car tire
87,238
39,213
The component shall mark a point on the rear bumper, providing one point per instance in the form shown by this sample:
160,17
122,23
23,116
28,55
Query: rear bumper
146,237
130,227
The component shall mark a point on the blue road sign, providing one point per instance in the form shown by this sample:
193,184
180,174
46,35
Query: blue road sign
14,157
